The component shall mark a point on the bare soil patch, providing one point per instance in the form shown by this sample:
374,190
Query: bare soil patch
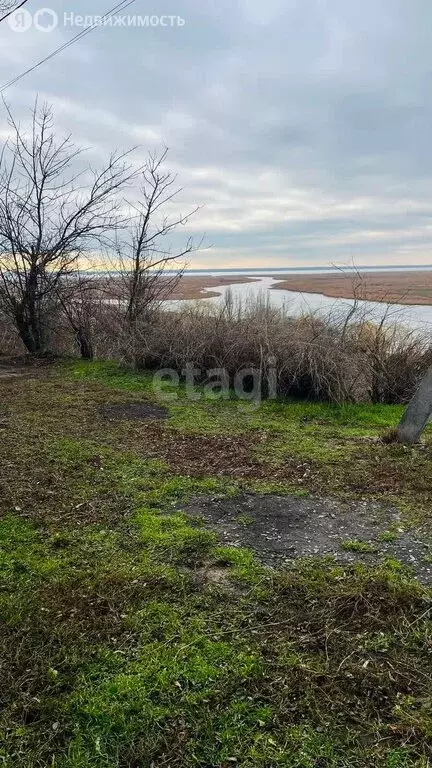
281,528
134,411
16,366
232,456
12,373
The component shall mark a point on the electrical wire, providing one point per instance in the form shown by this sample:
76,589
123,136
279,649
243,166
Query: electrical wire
120,7
12,10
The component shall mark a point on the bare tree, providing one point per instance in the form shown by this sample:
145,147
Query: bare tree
7,5
51,217
150,267
79,298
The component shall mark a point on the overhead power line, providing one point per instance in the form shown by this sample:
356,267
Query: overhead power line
12,10
120,7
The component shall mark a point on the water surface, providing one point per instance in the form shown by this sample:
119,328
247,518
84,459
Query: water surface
416,317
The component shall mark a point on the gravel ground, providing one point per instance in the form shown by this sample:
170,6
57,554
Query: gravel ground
280,528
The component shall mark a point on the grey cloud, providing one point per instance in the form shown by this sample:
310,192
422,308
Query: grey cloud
331,98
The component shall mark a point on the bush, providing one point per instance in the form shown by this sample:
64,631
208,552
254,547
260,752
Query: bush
315,357
331,358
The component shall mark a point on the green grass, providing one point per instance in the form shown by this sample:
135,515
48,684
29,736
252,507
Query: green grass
355,545
131,638
388,536
307,447
210,415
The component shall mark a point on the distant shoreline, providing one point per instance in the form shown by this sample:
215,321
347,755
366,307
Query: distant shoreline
410,287
192,287
329,269
405,287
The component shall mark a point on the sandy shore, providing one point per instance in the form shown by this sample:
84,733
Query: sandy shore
390,287
192,286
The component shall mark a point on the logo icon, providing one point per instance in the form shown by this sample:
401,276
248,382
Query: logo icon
20,21
45,20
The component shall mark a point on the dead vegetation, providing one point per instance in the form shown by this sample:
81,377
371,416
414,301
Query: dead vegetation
314,357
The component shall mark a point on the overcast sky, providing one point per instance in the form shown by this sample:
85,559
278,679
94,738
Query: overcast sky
302,127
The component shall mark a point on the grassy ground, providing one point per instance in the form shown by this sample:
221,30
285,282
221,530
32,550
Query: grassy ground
131,638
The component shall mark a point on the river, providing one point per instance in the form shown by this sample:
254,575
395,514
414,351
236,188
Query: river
415,317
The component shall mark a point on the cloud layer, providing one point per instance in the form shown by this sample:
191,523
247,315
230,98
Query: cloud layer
302,129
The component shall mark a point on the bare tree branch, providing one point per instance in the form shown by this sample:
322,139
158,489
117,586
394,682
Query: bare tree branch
150,267
51,217
6,6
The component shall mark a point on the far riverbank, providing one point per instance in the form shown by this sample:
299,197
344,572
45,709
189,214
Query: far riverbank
392,287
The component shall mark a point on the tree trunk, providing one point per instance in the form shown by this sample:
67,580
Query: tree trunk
31,337
26,332
417,413
28,317
26,336
84,344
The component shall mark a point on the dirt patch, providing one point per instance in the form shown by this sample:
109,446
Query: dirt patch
17,366
281,528
13,373
231,456
201,455
217,576
134,411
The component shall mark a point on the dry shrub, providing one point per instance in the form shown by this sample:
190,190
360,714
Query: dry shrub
10,343
332,358
397,359
313,356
